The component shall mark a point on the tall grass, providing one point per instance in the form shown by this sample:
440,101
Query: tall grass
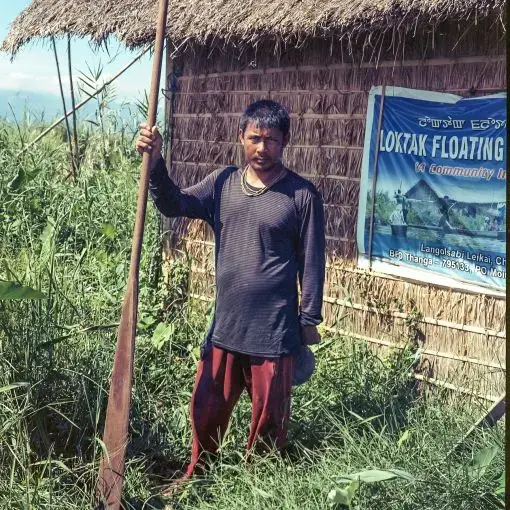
360,411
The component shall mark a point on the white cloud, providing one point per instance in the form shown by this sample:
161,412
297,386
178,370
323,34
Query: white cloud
35,71
26,82
30,75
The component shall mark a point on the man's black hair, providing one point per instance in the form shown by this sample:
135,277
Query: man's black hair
266,114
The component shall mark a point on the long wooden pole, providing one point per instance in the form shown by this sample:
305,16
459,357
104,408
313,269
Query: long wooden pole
489,419
111,472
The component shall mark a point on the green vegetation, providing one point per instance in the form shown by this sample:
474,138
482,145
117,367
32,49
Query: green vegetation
427,213
362,436
384,206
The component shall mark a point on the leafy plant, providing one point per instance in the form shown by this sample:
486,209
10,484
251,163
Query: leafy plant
14,290
344,496
478,465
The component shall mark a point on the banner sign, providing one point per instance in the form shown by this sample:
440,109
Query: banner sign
440,195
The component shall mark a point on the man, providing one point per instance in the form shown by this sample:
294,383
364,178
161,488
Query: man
402,199
444,221
269,230
501,208
397,216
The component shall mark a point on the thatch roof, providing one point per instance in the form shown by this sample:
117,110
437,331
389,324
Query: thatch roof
133,21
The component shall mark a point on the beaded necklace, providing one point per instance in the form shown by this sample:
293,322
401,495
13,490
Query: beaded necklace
260,191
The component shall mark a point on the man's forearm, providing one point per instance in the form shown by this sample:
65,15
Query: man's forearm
194,202
156,159
312,260
164,192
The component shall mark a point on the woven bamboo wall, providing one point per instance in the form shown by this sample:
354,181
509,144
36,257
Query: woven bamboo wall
325,87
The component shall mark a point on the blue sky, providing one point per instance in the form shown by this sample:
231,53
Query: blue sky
33,70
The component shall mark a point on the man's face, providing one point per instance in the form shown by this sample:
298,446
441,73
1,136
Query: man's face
263,148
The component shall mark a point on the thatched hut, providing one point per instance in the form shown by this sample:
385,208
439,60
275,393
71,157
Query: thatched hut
319,59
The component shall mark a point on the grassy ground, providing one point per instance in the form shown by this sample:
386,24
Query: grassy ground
360,411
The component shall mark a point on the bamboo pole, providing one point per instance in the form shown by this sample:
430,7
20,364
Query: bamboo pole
169,110
322,92
205,164
68,129
384,276
426,320
429,352
73,105
392,64
314,116
290,146
443,384
398,315
82,103
374,177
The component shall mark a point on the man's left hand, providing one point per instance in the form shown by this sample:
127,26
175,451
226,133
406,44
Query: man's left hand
310,335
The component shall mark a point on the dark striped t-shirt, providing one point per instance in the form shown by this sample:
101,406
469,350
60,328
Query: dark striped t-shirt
263,245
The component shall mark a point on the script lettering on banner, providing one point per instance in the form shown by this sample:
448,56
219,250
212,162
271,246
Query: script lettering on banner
440,194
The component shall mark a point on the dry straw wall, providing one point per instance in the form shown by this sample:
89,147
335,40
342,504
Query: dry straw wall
325,87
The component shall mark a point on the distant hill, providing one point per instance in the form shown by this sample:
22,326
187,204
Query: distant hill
39,105
46,107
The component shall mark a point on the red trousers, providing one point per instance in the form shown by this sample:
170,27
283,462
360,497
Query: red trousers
221,378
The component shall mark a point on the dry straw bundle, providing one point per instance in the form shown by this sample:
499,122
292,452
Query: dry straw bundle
273,26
